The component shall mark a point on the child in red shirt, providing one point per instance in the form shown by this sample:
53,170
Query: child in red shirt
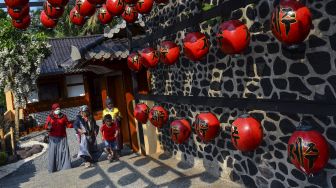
110,131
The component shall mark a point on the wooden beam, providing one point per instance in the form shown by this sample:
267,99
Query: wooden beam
297,106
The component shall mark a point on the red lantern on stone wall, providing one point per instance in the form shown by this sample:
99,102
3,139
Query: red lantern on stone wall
18,14
246,133
51,11
169,52
22,24
141,112
16,3
85,8
144,6
180,130
158,116
291,22
196,46
104,16
233,37
58,3
47,21
115,7
134,62
130,14
308,150
207,126
76,18
150,57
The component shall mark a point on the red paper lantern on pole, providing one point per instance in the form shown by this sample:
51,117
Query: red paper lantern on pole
196,46
76,18
169,52
18,13
308,150
130,15
104,16
85,8
206,126
246,133
47,21
291,22
158,116
180,130
22,24
233,37
115,7
16,3
141,112
144,6
58,3
134,62
51,11
150,57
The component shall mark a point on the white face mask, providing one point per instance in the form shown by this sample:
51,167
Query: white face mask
57,112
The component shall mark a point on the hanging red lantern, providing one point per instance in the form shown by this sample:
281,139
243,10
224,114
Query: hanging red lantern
130,15
180,131
52,12
85,8
134,62
58,3
76,18
161,1
158,116
246,133
233,37
196,46
150,57
98,3
130,1
22,24
308,150
16,3
115,7
291,22
169,52
144,6
104,16
207,126
141,112
19,13
47,21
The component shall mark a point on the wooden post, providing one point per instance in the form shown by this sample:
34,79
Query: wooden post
2,139
12,140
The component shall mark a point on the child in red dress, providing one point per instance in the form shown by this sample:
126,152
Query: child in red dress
110,131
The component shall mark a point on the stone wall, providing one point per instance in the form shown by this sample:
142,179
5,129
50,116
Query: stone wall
267,70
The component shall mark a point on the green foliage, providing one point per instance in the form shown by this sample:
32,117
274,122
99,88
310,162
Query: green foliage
3,158
207,6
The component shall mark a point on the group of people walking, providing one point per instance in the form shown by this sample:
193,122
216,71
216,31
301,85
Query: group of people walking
86,131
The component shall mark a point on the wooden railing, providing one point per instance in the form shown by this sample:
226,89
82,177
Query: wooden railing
3,137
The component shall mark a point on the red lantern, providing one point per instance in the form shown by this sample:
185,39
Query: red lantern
169,52
246,133
158,116
76,18
16,3
22,24
52,12
47,21
85,8
141,112
144,6
161,1
115,7
130,15
206,126
18,14
58,3
98,3
308,150
180,131
233,37
196,46
104,16
130,1
291,22
150,57
134,62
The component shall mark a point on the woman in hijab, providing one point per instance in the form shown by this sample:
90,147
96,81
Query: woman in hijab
59,155
87,129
